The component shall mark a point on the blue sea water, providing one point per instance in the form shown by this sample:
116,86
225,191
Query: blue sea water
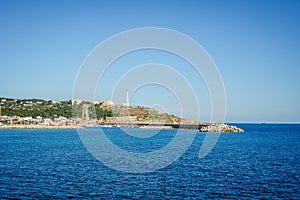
262,163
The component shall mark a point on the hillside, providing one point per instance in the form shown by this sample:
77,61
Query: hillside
50,109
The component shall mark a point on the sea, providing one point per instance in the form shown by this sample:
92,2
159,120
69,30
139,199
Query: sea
261,163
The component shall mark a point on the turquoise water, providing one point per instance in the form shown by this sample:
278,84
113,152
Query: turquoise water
263,162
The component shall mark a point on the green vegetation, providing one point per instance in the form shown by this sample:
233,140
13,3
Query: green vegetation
49,109
92,108
34,108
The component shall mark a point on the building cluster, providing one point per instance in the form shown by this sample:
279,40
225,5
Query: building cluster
39,121
20,103
56,120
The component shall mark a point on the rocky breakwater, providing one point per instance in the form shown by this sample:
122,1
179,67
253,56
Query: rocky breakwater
220,128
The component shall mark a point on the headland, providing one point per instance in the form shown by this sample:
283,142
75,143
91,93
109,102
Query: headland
43,114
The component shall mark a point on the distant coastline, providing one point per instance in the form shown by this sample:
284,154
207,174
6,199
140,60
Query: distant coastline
37,127
200,128
74,114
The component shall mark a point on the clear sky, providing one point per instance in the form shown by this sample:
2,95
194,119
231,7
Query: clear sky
255,45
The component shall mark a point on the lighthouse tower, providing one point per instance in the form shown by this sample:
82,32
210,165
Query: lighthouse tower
127,98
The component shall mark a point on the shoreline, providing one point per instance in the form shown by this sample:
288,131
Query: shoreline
37,127
207,128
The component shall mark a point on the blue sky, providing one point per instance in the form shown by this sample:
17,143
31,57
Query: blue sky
255,45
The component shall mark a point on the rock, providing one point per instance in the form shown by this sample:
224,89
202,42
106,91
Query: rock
221,128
